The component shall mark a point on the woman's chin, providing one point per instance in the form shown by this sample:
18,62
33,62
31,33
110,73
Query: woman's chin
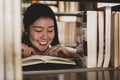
43,49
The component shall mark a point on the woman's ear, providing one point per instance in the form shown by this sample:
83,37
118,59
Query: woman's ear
23,30
26,33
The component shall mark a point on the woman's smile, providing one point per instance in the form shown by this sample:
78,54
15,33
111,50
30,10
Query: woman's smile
43,43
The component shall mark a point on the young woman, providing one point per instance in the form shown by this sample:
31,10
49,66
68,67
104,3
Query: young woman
40,35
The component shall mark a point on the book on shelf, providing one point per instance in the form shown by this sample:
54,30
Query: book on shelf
68,6
42,62
91,38
87,39
105,37
38,59
67,33
119,39
81,43
116,25
115,40
107,10
100,38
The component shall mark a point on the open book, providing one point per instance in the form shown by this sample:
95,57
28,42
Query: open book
37,59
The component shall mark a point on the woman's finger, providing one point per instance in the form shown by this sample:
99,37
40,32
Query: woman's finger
26,51
52,50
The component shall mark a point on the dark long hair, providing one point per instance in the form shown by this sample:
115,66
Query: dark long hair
34,12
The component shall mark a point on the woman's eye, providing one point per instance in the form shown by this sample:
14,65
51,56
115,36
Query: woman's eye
38,30
50,30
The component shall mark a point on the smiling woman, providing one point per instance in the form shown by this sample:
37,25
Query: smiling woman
41,33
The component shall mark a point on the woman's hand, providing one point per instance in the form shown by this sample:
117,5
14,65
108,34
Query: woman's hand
26,51
59,51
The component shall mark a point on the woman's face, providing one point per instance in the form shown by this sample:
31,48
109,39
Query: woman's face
41,33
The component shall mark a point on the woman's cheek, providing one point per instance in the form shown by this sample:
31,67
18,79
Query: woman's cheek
35,35
52,35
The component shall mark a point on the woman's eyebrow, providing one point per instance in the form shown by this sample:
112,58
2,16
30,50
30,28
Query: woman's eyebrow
51,26
42,27
37,27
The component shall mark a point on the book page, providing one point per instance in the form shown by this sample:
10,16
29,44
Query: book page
35,59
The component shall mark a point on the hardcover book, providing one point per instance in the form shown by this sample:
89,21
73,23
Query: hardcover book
41,62
37,59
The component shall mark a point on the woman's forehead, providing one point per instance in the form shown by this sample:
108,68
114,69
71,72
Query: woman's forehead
44,21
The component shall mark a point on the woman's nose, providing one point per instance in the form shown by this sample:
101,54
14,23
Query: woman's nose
45,34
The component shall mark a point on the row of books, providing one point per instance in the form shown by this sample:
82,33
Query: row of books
98,38
67,6
102,37
115,48
87,40
67,33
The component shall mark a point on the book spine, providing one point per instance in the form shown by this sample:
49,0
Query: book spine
1,42
115,47
107,36
17,39
119,37
67,33
91,39
112,40
10,18
61,6
8,42
101,38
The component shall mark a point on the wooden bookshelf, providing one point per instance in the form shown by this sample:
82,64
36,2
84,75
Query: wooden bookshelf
10,55
108,1
61,73
74,74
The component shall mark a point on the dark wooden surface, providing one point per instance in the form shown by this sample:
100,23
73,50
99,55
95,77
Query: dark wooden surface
73,74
